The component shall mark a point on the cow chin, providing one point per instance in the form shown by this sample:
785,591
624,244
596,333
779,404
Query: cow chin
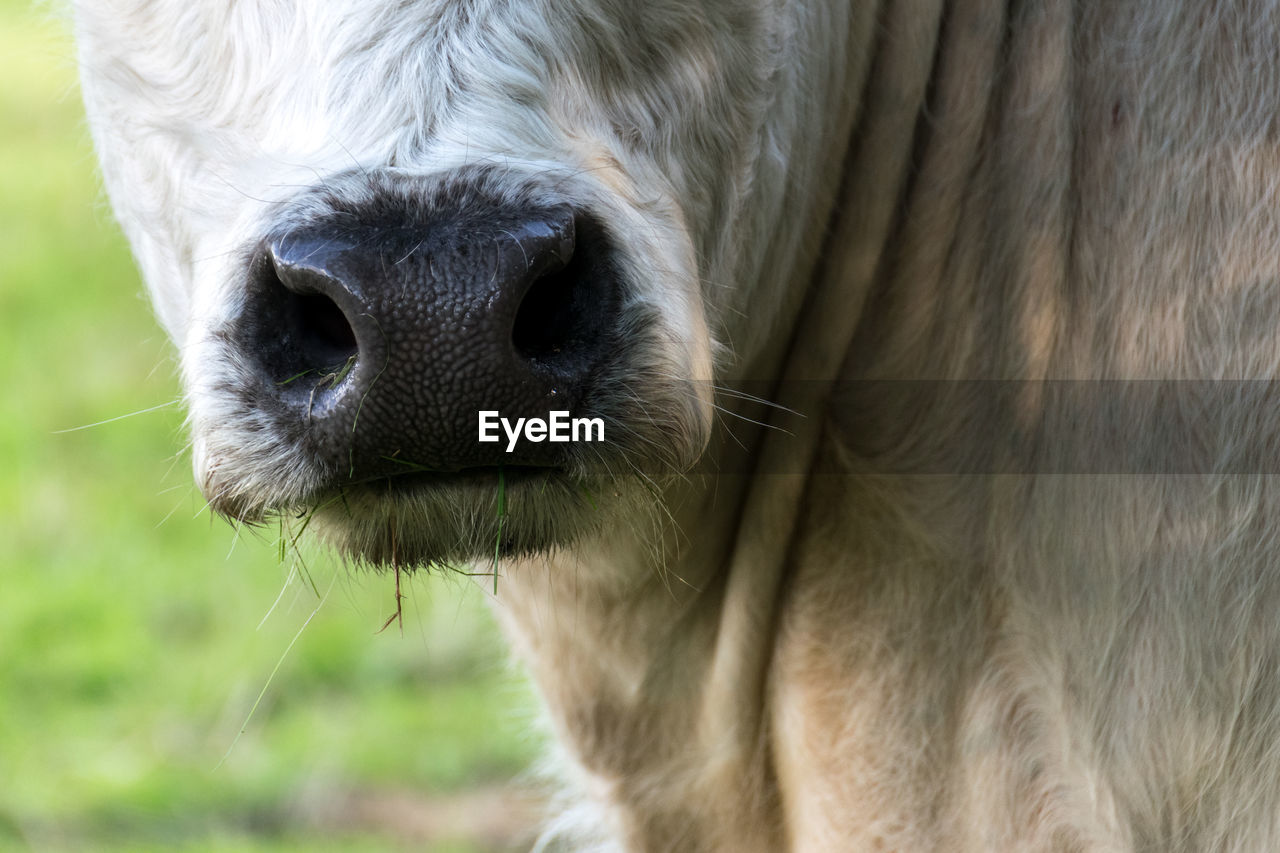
421,519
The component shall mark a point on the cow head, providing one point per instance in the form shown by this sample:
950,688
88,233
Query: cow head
363,222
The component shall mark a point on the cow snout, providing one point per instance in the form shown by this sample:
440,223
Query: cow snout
376,337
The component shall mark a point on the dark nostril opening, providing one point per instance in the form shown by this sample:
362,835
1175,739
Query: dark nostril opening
566,311
547,324
297,333
323,335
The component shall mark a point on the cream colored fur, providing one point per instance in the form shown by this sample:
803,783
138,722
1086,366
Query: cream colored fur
1044,617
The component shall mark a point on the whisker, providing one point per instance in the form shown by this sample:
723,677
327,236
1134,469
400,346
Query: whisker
118,418
734,414
293,571
743,395
272,675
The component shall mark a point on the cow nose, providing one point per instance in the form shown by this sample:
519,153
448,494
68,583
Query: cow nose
378,339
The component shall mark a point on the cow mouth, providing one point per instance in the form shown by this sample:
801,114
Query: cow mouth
412,480
421,519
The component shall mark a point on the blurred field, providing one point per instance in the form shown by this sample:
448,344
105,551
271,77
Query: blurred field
130,646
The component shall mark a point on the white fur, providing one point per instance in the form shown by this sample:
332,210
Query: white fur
942,618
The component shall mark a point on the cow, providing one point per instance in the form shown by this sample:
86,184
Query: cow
932,343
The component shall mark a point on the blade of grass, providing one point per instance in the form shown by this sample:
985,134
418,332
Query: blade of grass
295,377
502,514
398,615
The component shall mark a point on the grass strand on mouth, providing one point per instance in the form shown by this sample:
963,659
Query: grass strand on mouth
292,539
340,373
295,377
400,598
306,573
502,514
295,537
398,615
412,466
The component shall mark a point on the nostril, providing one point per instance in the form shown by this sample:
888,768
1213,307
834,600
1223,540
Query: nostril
547,323
565,312
297,332
320,330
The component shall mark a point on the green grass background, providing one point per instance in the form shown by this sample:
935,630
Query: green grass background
130,646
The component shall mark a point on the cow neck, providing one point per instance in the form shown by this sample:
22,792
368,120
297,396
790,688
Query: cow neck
659,677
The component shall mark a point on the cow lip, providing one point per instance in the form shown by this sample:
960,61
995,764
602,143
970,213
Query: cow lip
452,519
480,475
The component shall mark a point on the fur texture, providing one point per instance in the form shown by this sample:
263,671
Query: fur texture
1012,582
